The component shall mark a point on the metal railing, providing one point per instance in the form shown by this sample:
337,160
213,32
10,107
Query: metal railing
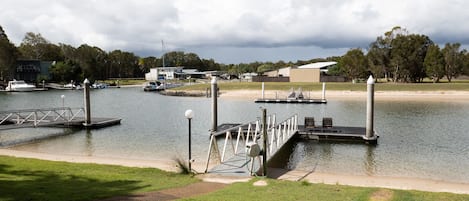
38,117
277,136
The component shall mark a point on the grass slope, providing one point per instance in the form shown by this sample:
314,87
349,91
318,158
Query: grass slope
31,179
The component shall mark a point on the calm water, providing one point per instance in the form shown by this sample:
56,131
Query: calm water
418,139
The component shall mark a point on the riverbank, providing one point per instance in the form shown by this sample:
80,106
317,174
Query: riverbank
354,95
293,175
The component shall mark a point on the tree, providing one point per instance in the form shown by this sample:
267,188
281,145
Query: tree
434,63
465,68
453,60
407,55
379,53
65,71
8,56
354,64
34,46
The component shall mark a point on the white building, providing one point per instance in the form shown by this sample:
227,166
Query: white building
162,73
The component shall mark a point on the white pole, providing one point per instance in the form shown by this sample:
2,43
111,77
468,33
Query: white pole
262,90
214,104
370,108
323,91
87,103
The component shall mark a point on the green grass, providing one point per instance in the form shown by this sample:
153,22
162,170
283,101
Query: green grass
126,81
288,190
31,179
342,86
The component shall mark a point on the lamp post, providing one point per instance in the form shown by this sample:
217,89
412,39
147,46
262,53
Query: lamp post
63,100
189,115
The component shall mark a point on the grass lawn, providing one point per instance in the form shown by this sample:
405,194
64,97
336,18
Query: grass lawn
288,190
31,179
336,86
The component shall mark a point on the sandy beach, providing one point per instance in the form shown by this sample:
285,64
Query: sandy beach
294,175
439,96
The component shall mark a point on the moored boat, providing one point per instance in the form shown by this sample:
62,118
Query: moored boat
19,85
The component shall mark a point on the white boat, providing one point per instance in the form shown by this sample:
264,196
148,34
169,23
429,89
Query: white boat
19,85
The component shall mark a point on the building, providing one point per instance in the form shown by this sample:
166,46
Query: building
311,72
282,72
32,70
162,73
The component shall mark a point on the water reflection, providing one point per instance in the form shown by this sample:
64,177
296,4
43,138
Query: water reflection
89,143
369,162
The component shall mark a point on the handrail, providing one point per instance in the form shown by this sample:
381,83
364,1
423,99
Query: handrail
37,116
277,133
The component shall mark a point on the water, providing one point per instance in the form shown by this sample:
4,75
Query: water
418,139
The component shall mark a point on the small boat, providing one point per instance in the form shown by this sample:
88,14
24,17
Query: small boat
19,85
153,86
98,85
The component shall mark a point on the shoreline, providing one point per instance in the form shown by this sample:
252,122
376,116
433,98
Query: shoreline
402,183
438,96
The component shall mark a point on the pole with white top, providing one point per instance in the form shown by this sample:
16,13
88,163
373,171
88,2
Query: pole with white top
214,104
370,109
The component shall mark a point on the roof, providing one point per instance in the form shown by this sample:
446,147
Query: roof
318,65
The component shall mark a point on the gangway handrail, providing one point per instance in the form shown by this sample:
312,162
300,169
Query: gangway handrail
277,135
37,116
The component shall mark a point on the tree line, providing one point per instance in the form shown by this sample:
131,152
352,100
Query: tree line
85,61
400,56
397,55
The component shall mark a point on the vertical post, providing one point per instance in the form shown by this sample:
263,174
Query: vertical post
43,84
214,104
323,91
87,103
263,90
264,134
190,158
189,115
370,107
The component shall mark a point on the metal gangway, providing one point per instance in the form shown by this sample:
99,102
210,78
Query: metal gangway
231,157
40,117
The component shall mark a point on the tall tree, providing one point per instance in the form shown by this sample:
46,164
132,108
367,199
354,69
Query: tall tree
453,60
407,55
379,53
35,46
434,63
8,56
354,64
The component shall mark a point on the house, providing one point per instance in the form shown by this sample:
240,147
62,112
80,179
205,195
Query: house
314,72
32,70
282,72
162,73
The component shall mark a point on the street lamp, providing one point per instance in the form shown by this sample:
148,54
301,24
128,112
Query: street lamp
189,115
63,100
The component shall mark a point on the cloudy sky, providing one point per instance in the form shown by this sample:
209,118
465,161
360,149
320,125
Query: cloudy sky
233,31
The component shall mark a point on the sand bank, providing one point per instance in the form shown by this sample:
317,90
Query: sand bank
376,181
354,95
